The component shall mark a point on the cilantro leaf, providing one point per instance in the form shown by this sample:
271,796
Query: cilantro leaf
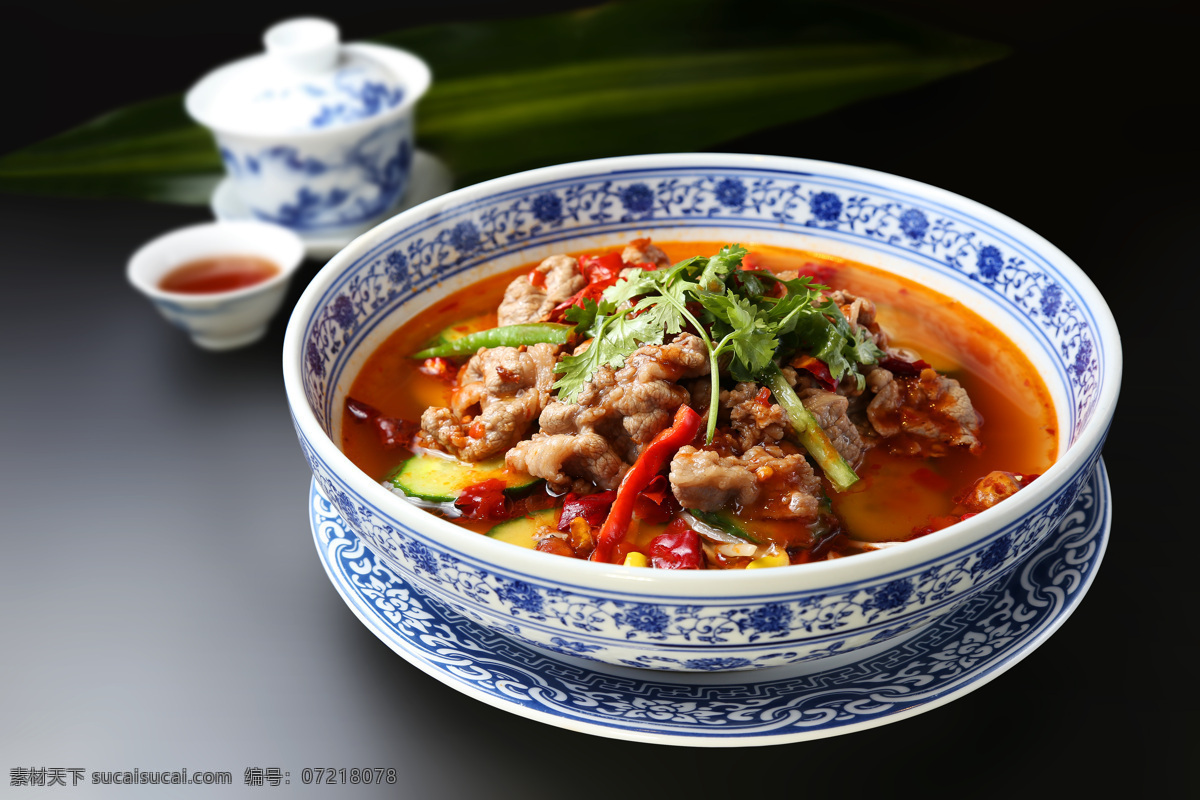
720,266
751,282
729,309
614,337
584,317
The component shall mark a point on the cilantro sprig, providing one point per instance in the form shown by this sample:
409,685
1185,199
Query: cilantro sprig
746,323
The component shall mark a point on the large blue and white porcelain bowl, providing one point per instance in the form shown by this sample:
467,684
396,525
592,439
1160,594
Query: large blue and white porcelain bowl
706,620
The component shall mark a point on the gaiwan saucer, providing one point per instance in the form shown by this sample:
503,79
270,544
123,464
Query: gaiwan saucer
962,651
430,177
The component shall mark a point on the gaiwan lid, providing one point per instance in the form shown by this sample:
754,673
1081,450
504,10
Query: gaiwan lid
306,81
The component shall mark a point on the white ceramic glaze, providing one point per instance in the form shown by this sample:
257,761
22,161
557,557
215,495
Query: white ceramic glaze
430,178
222,320
315,135
707,620
840,694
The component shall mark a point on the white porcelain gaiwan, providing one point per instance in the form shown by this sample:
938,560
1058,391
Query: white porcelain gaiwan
315,135
704,620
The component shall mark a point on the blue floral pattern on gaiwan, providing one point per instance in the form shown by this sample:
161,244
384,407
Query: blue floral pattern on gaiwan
357,184
306,81
314,135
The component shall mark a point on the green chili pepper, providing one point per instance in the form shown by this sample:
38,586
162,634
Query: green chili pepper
506,336
808,430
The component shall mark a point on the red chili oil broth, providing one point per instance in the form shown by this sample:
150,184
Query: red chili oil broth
895,496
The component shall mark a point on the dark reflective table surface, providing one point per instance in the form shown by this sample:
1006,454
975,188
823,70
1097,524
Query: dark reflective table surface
163,607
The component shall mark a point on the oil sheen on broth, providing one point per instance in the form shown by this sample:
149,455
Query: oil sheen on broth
897,496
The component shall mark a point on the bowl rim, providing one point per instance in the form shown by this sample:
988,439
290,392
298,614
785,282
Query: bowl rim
410,68
871,566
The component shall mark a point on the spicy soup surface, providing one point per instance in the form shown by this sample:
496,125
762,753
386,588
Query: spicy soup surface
896,498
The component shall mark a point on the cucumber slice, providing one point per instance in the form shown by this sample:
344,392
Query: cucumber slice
523,531
723,522
441,480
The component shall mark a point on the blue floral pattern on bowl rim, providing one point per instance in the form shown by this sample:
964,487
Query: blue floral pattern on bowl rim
962,247
981,638
749,632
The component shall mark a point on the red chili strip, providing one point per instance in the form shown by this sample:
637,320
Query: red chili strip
657,455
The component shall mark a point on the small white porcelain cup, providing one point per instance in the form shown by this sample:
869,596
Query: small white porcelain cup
218,320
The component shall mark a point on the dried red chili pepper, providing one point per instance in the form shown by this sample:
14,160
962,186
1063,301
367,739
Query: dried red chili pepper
678,548
484,500
592,507
394,432
901,368
820,274
360,410
935,524
655,503
652,460
556,546
601,268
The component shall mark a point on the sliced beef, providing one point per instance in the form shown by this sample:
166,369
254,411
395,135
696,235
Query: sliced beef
700,390
831,411
800,379
625,407
765,482
641,251
753,417
860,313
877,378
505,371
569,460
925,415
501,392
525,302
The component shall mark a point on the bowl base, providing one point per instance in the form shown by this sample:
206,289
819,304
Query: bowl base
217,343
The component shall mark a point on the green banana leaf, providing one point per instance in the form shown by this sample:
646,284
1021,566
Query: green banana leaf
621,78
